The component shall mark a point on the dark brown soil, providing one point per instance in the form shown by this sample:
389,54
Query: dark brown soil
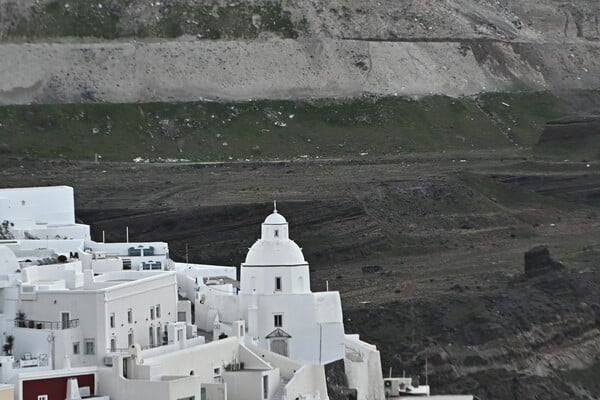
448,238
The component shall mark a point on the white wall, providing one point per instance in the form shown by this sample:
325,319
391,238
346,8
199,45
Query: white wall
308,383
201,271
70,272
94,307
248,384
362,364
261,280
304,380
57,246
48,306
53,205
315,326
287,366
50,232
122,248
140,296
200,359
118,388
184,306
101,266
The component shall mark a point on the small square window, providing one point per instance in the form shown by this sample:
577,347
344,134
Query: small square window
181,316
76,348
42,397
278,320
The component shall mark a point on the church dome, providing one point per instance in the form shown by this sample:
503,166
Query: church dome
274,248
274,253
275,219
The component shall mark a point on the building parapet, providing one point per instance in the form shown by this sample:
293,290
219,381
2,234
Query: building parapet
46,325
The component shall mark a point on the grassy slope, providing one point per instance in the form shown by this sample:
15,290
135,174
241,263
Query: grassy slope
207,131
522,115
265,129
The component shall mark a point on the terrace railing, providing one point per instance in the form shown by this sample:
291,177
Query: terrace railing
47,325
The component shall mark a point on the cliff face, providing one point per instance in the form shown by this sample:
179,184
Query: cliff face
370,20
135,51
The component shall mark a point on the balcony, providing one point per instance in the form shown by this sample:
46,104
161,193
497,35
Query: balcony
46,325
27,361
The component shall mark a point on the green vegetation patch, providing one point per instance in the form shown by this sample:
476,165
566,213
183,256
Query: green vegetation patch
117,19
522,115
207,131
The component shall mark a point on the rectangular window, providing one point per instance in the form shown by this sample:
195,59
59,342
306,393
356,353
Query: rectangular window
113,344
276,232
151,312
65,318
151,336
129,316
278,320
112,320
278,283
90,346
217,374
266,386
76,348
181,316
130,339
158,311
42,397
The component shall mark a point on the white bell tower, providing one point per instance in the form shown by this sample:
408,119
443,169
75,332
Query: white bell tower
281,312
275,263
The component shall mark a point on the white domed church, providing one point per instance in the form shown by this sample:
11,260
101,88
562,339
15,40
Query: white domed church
281,312
283,315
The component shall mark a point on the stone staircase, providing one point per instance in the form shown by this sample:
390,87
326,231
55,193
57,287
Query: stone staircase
278,395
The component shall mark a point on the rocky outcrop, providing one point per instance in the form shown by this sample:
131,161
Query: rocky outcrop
538,262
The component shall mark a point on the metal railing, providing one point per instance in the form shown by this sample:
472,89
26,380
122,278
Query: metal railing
41,361
49,325
117,350
155,345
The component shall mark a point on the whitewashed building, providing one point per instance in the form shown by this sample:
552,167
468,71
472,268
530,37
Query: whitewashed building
283,314
80,318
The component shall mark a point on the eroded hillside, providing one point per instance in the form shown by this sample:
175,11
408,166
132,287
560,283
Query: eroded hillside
137,51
